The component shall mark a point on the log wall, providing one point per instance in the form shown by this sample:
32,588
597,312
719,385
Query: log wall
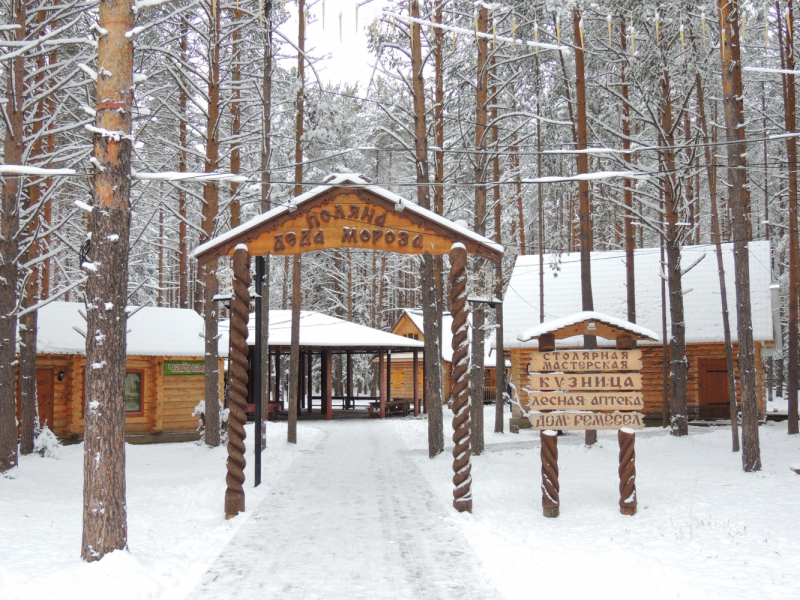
167,403
652,376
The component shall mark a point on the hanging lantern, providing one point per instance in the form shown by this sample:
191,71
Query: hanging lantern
261,12
744,28
536,35
580,28
340,28
608,20
683,39
323,15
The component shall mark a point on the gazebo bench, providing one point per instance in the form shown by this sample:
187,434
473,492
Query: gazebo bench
396,405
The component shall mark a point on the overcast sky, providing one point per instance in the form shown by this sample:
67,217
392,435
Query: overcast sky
348,58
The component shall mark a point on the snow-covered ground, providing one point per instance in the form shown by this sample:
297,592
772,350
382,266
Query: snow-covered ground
704,528
176,523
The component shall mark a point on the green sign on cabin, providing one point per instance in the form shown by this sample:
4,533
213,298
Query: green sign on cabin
184,367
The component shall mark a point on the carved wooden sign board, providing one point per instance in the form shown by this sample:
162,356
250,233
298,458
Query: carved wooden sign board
347,217
580,380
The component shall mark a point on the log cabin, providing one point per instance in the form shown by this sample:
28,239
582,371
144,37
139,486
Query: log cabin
707,385
165,372
410,325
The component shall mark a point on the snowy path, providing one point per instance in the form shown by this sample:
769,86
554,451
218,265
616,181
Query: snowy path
352,518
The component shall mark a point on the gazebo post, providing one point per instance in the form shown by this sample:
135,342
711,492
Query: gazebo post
349,391
278,396
328,366
424,387
415,382
323,381
301,385
237,367
381,381
310,368
462,452
388,376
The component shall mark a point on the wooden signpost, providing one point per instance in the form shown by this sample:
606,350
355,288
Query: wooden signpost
589,390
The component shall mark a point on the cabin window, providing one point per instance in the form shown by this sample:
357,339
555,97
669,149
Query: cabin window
411,336
133,392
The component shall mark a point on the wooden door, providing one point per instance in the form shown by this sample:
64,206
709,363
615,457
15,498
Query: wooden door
44,395
713,383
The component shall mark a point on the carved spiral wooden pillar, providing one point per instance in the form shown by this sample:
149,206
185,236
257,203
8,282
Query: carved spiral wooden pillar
627,471
237,369
459,309
550,487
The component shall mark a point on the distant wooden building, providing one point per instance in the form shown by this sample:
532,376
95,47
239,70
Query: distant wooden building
164,380
707,385
324,336
410,325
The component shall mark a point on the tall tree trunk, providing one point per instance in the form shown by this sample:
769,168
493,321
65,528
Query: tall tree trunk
29,323
734,125
587,301
266,204
479,226
630,242
723,288
14,148
236,113
438,192
790,105
431,315
499,361
208,273
105,526
679,421
294,356
183,253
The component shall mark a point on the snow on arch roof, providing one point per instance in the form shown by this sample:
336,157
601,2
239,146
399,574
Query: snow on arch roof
311,211
152,331
702,306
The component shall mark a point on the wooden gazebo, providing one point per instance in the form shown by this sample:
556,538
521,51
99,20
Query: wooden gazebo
325,336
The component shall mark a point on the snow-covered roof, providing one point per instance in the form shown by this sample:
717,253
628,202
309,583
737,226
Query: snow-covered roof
319,330
587,315
342,180
152,331
702,306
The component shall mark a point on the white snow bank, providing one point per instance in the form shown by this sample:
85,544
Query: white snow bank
176,521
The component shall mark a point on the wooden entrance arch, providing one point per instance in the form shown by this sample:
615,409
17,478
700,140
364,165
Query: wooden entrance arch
346,212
